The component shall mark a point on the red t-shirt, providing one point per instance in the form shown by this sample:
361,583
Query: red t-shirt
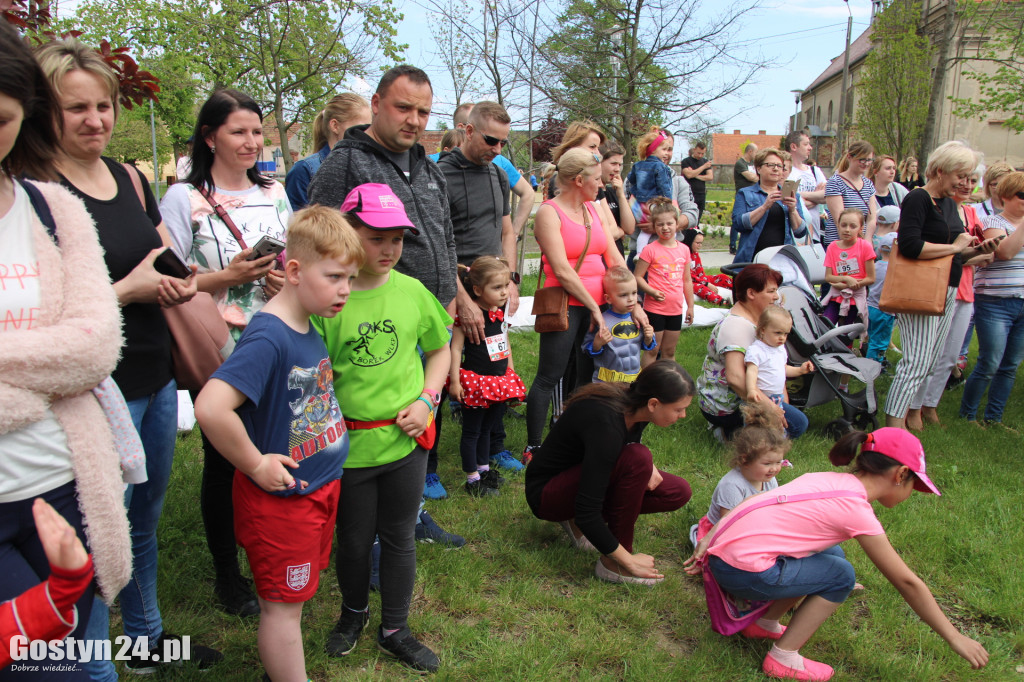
667,271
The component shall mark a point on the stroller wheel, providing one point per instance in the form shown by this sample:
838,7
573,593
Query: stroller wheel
837,428
865,422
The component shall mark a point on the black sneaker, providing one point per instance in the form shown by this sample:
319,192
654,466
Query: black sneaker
169,651
407,649
492,479
236,597
345,634
479,489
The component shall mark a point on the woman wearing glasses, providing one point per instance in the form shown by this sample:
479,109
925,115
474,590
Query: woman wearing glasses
850,188
761,215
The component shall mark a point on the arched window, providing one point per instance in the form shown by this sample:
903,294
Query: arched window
829,126
817,118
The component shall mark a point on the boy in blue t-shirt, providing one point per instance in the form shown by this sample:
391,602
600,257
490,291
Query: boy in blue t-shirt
270,409
619,350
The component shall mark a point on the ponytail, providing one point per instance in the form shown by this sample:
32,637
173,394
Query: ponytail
319,136
845,451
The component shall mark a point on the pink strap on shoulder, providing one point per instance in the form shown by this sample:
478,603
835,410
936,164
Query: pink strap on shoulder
777,499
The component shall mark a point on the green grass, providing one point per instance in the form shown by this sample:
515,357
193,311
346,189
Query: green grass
518,604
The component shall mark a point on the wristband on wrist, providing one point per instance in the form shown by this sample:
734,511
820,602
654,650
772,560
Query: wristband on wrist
434,396
426,402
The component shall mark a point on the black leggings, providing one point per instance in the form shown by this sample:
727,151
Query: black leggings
218,512
554,354
380,501
477,429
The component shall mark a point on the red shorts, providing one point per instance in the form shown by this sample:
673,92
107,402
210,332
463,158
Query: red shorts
287,539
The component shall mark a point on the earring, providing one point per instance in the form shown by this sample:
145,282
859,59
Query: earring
213,149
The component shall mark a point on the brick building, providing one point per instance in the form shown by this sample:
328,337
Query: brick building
728,147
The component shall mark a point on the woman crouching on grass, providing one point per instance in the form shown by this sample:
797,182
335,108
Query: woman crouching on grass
787,551
594,476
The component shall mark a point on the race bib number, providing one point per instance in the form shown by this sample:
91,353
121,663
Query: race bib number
497,346
847,267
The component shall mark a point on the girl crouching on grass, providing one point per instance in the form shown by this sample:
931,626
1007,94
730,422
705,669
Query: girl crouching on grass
482,377
787,551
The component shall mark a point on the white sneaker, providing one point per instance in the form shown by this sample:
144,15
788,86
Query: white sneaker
580,542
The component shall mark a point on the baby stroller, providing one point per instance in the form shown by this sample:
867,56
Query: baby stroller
815,338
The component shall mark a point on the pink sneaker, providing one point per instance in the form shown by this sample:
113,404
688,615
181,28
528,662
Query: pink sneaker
814,671
755,631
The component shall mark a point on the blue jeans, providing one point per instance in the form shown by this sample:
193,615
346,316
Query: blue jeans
156,419
999,321
796,421
879,333
826,574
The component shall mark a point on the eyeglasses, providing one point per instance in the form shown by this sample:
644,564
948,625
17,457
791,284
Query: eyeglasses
597,157
867,162
491,141
773,166
1020,195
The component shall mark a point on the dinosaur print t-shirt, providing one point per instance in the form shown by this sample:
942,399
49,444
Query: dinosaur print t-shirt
378,371
290,406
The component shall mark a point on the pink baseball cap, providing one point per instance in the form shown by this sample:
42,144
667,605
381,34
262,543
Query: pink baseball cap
905,448
377,207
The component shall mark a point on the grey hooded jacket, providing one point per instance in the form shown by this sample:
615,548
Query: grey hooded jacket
357,159
478,197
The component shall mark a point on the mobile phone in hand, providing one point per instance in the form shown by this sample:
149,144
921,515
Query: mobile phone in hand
168,263
266,246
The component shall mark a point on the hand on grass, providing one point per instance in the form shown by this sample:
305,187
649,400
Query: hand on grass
642,566
973,652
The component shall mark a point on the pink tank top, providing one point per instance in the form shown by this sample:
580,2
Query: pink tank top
574,235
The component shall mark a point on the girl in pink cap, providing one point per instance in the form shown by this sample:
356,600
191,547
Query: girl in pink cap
784,548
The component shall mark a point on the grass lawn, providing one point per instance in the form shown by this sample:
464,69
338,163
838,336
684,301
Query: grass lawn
517,603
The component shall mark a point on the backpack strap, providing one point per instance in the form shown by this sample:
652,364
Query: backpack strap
770,499
41,208
133,175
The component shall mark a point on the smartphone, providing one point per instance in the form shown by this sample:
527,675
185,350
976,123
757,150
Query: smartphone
168,263
266,246
789,187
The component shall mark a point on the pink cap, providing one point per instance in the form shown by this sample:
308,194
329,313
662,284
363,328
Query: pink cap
905,448
377,207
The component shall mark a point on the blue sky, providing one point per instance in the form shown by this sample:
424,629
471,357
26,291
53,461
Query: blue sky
801,35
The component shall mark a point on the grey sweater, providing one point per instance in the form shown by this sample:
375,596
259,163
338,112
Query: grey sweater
429,256
478,197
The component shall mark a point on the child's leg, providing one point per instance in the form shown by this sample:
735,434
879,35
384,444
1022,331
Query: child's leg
356,527
473,433
401,485
721,280
831,312
667,344
652,355
280,641
492,414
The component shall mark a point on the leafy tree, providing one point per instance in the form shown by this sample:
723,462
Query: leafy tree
132,139
290,55
895,86
550,135
995,62
631,64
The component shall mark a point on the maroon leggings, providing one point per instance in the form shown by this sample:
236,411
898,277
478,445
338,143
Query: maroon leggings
627,496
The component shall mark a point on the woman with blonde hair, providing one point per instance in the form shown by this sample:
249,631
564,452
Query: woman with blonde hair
850,188
341,113
888,192
908,175
576,247
931,227
993,204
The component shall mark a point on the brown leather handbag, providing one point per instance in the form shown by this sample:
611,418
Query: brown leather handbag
915,286
551,304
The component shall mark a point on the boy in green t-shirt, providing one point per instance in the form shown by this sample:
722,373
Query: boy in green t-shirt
387,394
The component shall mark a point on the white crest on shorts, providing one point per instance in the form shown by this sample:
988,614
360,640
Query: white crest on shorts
298,576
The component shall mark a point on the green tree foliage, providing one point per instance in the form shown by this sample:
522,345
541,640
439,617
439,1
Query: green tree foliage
290,55
995,61
132,138
631,64
895,85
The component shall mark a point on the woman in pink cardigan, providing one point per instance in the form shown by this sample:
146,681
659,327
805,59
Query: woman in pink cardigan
59,337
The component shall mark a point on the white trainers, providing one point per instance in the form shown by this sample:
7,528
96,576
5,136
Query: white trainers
580,542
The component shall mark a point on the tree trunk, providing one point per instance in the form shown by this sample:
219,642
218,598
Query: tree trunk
282,130
944,46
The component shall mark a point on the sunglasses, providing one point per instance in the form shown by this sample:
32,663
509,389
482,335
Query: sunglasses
1020,195
491,141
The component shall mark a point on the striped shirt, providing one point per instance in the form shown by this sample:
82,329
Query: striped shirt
852,198
1001,277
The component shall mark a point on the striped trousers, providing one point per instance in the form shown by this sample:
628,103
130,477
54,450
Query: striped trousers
922,338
